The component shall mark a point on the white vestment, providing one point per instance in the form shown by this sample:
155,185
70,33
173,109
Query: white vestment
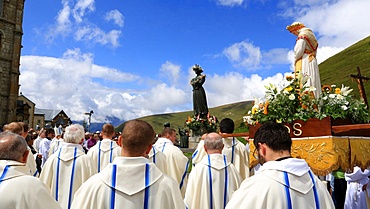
54,145
355,197
36,143
129,182
177,162
305,50
235,153
104,153
211,183
31,163
288,183
65,171
158,158
19,190
44,150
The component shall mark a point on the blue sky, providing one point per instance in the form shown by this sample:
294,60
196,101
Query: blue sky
131,58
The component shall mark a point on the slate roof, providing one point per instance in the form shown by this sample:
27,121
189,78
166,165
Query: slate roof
49,114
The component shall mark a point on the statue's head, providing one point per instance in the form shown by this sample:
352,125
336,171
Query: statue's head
295,27
197,69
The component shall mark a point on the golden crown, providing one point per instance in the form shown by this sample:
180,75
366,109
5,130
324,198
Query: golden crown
295,26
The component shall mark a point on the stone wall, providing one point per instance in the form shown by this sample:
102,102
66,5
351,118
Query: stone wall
11,19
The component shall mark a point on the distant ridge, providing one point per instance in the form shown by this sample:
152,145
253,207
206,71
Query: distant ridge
235,111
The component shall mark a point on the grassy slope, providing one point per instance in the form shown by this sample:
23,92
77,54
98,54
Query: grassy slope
335,70
338,68
235,111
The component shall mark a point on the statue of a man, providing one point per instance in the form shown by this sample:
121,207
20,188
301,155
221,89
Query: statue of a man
305,55
199,95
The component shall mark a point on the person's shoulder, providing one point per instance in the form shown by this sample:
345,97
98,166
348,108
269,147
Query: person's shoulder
167,181
29,181
93,184
85,157
255,181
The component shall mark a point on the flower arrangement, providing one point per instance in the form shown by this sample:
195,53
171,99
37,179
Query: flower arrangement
195,123
297,102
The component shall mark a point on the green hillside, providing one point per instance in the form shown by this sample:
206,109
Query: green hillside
235,111
335,70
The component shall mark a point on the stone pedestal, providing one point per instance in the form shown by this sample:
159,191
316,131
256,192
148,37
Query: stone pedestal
193,141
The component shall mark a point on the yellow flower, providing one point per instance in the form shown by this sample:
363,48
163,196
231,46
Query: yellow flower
337,90
254,110
289,89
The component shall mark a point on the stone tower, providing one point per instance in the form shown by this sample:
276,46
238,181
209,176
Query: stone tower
11,18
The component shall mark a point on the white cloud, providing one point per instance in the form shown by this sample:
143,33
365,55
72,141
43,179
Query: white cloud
243,54
116,16
68,83
63,21
248,56
72,19
171,71
230,3
275,57
81,7
235,87
97,35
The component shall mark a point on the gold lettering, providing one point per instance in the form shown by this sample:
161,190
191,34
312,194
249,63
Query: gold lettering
287,128
297,131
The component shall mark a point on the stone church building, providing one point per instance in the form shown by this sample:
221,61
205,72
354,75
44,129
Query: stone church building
15,107
11,32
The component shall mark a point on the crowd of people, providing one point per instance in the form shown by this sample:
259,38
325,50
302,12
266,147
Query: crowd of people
137,169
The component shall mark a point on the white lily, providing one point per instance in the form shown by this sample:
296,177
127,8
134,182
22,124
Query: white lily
311,89
345,90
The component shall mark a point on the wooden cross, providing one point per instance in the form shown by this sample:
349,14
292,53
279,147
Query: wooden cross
360,85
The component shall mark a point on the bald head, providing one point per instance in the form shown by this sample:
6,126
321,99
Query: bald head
107,131
213,143
137,138
14,127
12,147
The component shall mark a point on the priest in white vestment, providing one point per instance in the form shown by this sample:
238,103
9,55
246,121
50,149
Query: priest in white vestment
45,145
282,181
21,129
36,143
18,189
305,49
213,180
233,149
177,162
158,158
106,150
54,145
66,170
55,142
356,194
131,181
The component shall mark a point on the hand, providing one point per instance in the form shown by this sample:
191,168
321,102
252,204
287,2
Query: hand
364,187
